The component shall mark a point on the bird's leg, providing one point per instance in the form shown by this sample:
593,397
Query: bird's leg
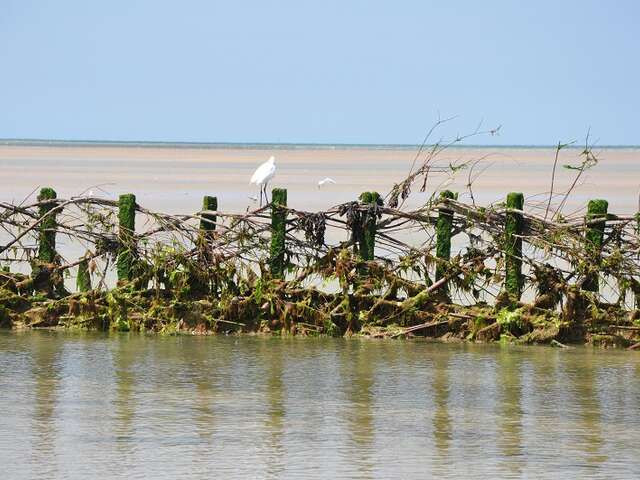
266,198
260,196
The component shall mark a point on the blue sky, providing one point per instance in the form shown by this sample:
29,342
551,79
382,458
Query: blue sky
319,72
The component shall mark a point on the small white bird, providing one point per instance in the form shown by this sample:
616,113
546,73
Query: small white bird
263,174
326,180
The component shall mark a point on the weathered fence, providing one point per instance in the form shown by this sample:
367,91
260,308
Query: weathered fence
393,271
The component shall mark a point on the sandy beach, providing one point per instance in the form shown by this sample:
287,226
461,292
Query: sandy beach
173,179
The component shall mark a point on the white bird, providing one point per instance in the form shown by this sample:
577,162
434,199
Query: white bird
263,174
326,180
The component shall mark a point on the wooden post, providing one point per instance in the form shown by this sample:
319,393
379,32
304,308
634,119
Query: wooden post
126,231
200,283
367,236
444,225
47,227
207,223
83,280
514,280
278,230
594,236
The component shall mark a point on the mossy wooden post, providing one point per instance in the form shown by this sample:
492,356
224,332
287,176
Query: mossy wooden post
514,280
208,221
126,231
367,236
83,280
47,227
278,228
444,226
200,283
594,236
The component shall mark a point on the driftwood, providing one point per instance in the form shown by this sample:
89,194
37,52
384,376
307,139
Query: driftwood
272,269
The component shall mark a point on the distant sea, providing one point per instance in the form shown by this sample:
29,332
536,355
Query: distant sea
274,146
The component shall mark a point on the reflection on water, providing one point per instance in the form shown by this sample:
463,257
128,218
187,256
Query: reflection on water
124,405
46,371
441,418
357,371
509,413
275,419
129,406
585,391
204,412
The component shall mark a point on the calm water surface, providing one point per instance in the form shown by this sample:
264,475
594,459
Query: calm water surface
129,406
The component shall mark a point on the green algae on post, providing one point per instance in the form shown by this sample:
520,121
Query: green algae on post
444,225
208,221
513,246
47,230
198,282
83,280
367,236
278,232
594,236
126,231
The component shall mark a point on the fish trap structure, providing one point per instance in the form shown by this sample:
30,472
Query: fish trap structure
510,271
517,275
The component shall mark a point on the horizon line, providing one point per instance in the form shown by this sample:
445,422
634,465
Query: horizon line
266,145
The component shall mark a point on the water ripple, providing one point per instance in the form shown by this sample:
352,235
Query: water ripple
128,406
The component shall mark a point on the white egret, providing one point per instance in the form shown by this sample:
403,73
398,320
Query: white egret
326,180
263,174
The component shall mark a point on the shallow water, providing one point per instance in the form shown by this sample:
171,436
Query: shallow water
130,406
